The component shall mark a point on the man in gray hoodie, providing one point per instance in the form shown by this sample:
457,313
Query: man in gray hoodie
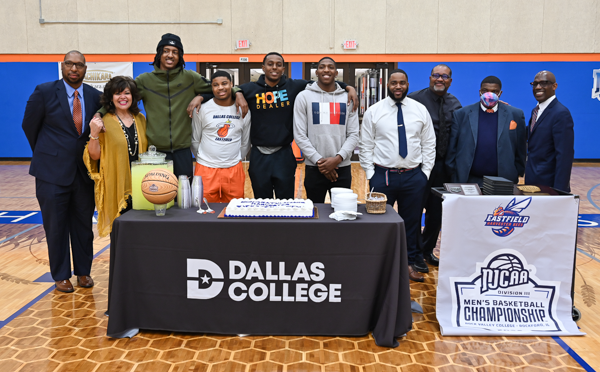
326,130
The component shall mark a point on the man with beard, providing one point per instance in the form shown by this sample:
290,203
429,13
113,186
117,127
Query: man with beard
271,102
56,123
440,105
397,152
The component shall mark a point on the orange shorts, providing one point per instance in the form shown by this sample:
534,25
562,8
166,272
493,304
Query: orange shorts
222,184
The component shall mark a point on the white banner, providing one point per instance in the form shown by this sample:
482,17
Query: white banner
99,73
507,266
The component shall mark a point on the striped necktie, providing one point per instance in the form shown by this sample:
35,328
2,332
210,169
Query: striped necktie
77,116
534,115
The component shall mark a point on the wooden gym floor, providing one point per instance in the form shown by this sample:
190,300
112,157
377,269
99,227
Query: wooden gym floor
45,330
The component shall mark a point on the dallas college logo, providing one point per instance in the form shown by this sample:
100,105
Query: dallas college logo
504,294
261,281
508,218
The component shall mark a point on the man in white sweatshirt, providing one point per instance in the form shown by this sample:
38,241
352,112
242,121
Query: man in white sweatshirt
326,130
220,139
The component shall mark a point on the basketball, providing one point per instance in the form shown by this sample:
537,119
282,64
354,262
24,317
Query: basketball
159,186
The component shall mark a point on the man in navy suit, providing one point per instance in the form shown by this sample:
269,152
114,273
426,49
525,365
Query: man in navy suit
551,137
487,139
56,124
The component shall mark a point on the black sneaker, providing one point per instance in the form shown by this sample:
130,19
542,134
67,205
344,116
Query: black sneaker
421,267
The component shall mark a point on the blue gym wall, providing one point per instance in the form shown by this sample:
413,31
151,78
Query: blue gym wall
575,81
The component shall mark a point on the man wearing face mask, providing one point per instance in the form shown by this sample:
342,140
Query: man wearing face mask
441,105
487,138
397,152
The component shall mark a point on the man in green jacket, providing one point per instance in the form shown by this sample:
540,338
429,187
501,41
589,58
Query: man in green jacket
167,93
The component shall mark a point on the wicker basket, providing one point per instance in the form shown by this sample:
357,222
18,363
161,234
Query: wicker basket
376,206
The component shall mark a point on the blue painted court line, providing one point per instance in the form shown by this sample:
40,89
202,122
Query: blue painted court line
28,217
32,302
589,196
573,354
587,254
22,232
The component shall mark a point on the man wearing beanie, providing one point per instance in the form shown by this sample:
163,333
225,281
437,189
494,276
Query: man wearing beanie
166,93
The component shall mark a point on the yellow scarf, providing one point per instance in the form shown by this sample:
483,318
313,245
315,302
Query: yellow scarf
113,179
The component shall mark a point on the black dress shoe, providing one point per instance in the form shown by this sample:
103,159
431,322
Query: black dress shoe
414,275
421,267
432,260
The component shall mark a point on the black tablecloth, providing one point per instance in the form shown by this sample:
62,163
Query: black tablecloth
155,259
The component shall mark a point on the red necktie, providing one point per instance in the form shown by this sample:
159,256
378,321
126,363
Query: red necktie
534,116
77,118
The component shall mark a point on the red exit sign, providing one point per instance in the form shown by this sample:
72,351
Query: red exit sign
350,44
243,44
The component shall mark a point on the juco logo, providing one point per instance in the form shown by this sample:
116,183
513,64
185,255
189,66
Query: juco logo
596,86
503,271
260,282
505,294
508,218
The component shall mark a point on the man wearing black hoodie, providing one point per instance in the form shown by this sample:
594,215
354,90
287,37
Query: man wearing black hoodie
271,103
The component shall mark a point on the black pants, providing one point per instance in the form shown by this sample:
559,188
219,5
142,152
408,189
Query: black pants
317,185
276,171
407,188
433,207
67,213
182,162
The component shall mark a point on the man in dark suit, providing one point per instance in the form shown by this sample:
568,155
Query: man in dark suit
487,139
441,106
56,124
551,137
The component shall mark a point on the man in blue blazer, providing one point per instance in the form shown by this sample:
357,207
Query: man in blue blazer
56,124
551,137
488,138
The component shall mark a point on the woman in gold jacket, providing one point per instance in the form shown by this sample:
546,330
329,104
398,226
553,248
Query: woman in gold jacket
112,148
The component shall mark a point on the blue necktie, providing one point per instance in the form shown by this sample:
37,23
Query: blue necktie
403,147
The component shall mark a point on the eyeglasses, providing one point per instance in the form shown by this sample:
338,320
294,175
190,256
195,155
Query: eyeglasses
437,76
543,84
70,64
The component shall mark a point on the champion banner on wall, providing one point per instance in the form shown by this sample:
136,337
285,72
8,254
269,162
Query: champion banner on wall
99,73
507,266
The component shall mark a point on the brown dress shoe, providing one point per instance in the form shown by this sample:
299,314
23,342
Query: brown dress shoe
64,286
414,275
85,281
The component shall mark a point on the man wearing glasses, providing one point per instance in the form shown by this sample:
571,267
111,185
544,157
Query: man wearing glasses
551,137
56,123
440,105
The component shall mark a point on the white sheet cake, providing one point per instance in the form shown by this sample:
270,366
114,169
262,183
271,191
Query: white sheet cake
295,208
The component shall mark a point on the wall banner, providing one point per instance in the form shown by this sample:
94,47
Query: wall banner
507,266
99,73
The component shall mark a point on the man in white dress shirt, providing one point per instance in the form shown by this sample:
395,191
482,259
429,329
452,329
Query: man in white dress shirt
397,152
